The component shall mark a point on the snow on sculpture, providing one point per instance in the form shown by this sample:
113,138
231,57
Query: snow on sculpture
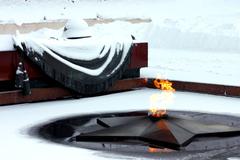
84,63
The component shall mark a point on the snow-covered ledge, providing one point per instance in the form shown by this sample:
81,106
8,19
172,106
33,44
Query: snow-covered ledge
6,43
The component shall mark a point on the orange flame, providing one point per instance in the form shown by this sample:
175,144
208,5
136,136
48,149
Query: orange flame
156,109
156,112
159,150
152,150
165,97
163,85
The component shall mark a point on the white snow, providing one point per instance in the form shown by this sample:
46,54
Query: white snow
83,49
6,43
212,58
194,66
16,119
234,158
76,28
192,40
35,10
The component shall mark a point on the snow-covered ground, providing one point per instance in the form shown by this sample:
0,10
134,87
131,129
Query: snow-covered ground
15,120
194,66
35,10
188,40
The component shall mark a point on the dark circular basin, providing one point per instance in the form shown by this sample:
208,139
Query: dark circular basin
180,133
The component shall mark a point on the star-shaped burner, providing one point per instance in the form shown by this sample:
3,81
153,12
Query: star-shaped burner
167,132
